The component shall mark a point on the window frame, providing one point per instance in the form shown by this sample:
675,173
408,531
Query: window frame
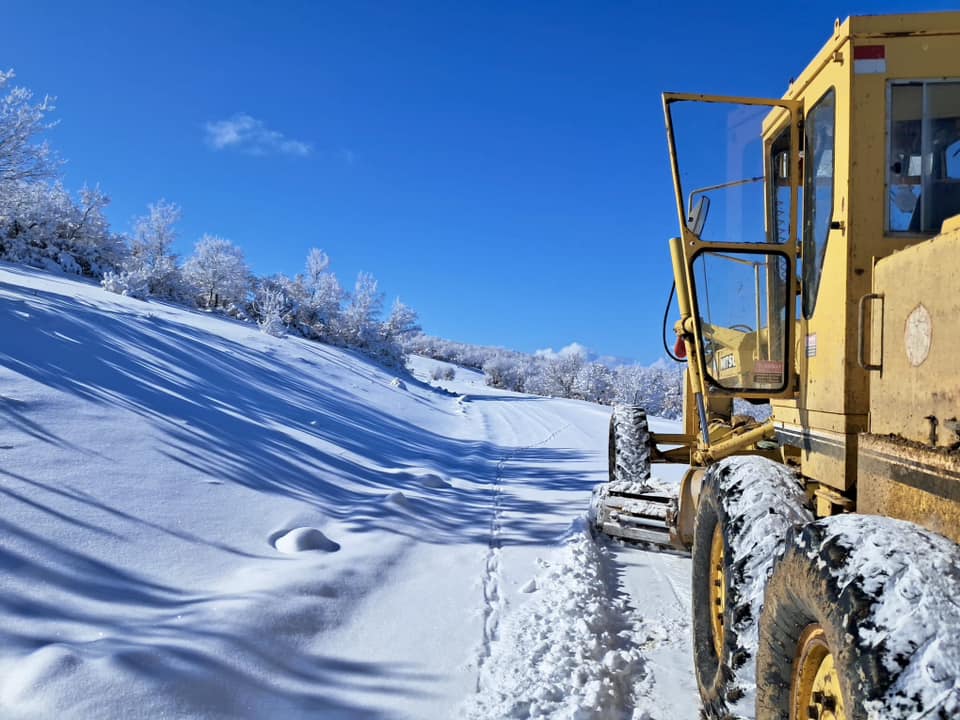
765,249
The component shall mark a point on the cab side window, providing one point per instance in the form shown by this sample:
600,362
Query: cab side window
923,169
818,174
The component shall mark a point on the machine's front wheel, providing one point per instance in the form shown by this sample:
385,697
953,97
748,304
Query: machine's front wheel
629,447
745,507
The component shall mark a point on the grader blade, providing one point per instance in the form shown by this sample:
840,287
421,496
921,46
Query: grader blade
638,514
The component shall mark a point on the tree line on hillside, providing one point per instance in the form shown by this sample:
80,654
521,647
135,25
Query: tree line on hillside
44,226
568,373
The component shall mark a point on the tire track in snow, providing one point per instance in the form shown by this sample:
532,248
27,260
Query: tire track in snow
491,583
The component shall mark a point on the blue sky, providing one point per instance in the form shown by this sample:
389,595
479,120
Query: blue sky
500,166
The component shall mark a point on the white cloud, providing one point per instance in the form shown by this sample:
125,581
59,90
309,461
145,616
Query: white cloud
247,134
573,348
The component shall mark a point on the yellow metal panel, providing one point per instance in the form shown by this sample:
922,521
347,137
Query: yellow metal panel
815,422
831,459
918,391
827,456
919,24
900,479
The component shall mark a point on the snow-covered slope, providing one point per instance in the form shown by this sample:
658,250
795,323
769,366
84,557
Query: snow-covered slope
200,520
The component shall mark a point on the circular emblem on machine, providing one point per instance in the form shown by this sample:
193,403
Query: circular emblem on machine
917,335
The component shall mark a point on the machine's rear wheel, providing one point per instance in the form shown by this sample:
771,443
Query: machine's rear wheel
745,507
805,667
629,448
854,622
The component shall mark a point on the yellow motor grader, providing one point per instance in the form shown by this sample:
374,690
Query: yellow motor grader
817,275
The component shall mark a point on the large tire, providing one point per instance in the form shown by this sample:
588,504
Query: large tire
745,508
629,448
882,594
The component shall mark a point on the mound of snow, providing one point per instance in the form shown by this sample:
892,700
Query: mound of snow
304,538
41,667
567,652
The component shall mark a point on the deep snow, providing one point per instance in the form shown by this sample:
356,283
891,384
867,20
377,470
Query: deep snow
203,521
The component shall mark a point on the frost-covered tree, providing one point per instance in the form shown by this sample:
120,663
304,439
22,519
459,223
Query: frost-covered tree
401,322
40,222
152,269
503,370
319,300
218,272
22,158
317,263
659,389
272,296
594,382
97,249
560,369
360,318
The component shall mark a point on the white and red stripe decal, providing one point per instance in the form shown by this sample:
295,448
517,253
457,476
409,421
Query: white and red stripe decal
869,59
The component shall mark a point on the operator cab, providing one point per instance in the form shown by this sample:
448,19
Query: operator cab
785,205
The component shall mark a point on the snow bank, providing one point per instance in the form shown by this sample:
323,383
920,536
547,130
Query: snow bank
566,653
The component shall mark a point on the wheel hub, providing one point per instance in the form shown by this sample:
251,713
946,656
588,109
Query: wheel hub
816,684
718,590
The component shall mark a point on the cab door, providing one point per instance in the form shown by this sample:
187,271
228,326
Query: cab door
736,171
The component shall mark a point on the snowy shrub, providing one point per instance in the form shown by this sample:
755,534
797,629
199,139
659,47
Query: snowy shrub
218,272
443,372
318,311
123,284
401,323
151,269
270,307
360,324
41,225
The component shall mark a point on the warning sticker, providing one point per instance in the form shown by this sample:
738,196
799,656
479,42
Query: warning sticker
768,372
812,345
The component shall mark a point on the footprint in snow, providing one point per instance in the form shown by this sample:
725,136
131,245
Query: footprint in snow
398,498
434,481
304,538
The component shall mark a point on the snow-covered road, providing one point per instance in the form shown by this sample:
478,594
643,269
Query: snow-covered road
201,521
